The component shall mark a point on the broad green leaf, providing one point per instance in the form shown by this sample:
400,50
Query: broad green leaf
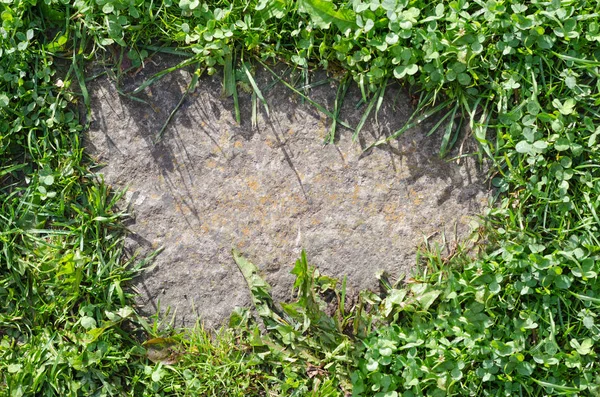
583,348
88,322
372,365
272,9
162,350
323,13
463,78
567,107
523,147
403,70
562,144
540,146
189,4
386,351
427,299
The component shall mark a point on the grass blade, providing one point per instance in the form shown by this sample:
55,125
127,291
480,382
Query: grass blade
255,87
315,104
410,124
380,100
230,85
337,106
365,115
446,145
153,79
167,50
254,110
191,87
228,76
437,125
559,388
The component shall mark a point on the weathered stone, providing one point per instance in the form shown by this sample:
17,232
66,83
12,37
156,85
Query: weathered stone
210,185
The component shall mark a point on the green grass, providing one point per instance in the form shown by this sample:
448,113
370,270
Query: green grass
513,313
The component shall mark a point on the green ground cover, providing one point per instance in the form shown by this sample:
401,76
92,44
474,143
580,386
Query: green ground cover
514,312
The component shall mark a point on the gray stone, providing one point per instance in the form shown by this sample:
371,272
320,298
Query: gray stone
270,191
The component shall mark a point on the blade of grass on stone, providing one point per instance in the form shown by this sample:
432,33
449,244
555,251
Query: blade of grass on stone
309,86
254,106
228,75
95,76
157,76
229,85
361,84
191,87
273,83
410,124
306,78
255,87
380,100
315,104
365,116
128,96
437,125
359,103
479,131
166,50
236,107
447,143
337,106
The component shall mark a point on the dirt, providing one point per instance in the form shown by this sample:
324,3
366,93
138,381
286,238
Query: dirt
270,190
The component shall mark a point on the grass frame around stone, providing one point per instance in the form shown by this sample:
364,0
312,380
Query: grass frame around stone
520,318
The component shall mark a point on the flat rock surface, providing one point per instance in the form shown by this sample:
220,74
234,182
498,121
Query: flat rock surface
270,190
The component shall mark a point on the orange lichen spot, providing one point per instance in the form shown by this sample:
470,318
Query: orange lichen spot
395,217
210,163
389,207
237,144
356,194
263,200
271,143
252,184
415,197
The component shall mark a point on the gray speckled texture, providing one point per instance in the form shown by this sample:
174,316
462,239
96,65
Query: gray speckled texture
270,191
